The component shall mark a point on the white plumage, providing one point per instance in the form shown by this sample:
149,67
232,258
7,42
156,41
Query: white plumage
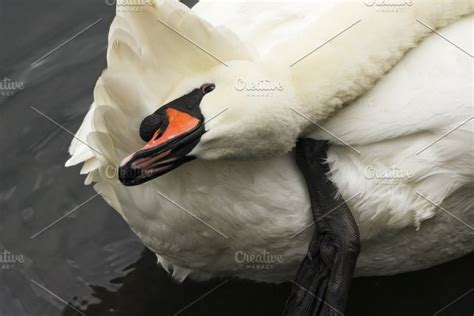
262,205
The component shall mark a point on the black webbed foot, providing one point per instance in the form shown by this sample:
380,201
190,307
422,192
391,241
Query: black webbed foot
323,280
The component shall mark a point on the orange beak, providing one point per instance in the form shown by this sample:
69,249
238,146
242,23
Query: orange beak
179,123
171,132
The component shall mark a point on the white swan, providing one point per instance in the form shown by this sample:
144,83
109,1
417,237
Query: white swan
208,216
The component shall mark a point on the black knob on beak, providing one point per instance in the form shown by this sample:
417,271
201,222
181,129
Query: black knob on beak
151,124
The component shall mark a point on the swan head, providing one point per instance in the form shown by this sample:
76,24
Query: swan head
237,111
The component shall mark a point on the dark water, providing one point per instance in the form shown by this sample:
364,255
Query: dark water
91,260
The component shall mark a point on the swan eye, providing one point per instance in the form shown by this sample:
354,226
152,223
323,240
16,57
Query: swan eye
208,87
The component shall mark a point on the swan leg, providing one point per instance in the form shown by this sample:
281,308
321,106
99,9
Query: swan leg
323,280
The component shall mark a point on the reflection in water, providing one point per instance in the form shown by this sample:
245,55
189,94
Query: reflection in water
147,289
